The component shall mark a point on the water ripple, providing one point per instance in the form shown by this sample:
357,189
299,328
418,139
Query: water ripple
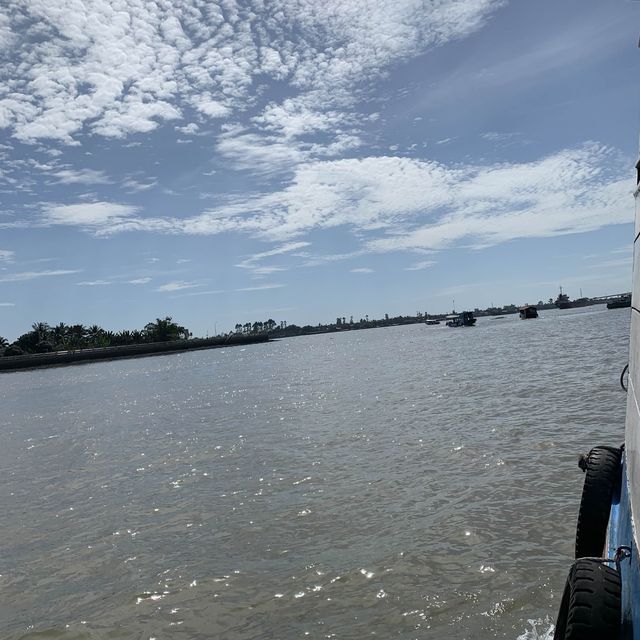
411,481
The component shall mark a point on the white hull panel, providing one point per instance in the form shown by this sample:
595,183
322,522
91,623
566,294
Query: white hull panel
632,426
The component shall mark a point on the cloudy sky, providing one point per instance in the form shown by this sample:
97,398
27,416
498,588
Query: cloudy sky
225,161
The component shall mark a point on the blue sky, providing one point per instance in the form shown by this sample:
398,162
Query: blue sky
229,161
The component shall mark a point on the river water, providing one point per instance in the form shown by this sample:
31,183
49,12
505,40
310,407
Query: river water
407,482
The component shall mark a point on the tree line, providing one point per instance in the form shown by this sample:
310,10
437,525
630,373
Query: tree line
44,338
258,327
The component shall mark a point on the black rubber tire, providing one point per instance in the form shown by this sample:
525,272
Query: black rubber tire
603,474
590,607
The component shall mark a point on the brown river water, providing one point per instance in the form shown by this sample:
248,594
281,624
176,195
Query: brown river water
407,482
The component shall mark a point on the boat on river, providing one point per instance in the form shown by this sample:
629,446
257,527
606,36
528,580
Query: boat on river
622,302
563,301
527,312
601,598
464,319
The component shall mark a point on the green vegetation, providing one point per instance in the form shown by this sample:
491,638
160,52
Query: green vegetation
44,338
283,330
257,327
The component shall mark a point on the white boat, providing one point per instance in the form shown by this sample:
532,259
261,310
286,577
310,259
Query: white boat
601,598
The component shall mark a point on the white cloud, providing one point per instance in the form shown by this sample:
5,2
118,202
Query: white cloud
266,271
400,204
135,117
190,129
117,69
251,263
368,194
261,287
212,108
139,281
18,224
573,191
200,293
81,176
6,255
260,153
292,119
497,137
362,270
418,266
93,283
7,304
32,275
318,260
426,205
93,214
135,185
285,248
177,286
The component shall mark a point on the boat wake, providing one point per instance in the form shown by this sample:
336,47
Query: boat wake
540,630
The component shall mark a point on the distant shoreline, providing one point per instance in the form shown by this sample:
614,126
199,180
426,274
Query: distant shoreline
63,358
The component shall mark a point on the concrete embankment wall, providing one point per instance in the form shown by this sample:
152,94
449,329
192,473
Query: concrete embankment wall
56,358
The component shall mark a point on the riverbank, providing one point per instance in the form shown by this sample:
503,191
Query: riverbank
60,358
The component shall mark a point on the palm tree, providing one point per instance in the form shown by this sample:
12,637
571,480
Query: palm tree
42,329
77,334
3,342
94,332
60,334
108,338
97,336
122,337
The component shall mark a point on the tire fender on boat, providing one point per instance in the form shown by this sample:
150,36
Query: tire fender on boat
590,607
602,479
